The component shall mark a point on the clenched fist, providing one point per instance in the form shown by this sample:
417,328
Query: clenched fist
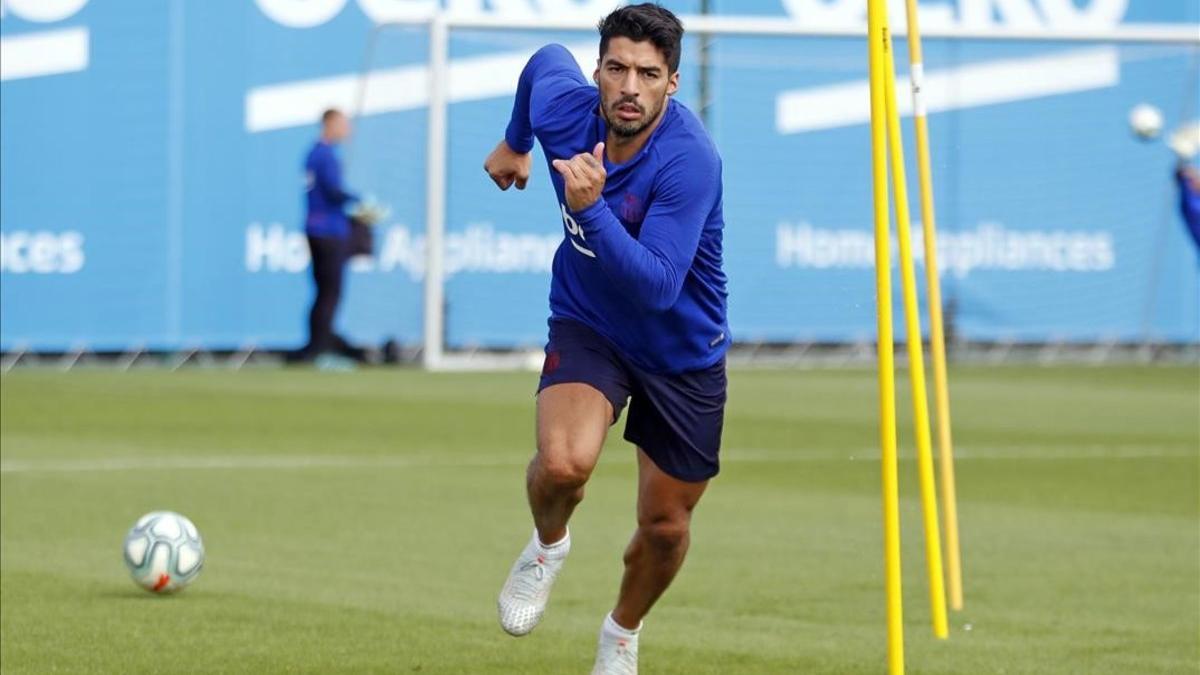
507,166
584,176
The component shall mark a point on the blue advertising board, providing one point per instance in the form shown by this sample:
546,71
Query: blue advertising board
151,184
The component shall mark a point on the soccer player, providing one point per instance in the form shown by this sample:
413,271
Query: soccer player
637,308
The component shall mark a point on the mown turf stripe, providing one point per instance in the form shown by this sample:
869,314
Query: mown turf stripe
287,462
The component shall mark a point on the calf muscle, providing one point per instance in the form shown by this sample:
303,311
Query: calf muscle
572,421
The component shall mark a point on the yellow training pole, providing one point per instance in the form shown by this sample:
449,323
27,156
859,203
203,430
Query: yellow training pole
937,341
877,43
916,360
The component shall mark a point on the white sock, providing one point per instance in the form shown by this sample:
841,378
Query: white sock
557,547
613,628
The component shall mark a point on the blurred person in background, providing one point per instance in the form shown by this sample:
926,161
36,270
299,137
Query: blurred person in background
1186,144
1189,199
327,227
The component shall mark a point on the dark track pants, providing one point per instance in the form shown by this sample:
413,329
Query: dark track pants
329,255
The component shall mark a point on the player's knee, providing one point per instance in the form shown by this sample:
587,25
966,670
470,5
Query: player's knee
560,471
666,533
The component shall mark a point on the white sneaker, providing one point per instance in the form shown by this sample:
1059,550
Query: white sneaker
617,653
523,598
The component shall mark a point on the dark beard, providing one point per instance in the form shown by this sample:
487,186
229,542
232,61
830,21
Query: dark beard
629,129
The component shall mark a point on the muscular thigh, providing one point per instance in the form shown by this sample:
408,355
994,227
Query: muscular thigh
583,387
662,498
572,421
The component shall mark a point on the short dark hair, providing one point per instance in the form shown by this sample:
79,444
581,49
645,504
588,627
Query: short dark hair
647,21
329,114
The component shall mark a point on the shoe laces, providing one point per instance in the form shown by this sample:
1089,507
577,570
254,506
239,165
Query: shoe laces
535,568
537,565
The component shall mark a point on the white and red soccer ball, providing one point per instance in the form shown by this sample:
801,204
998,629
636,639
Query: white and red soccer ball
163,552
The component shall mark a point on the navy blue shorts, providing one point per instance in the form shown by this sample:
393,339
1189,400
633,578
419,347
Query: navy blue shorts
675,419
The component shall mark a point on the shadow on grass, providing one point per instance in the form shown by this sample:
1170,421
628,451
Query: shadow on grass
136,594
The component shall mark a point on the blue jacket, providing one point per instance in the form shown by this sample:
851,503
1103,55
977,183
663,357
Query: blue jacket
642,265
1189,205
325,198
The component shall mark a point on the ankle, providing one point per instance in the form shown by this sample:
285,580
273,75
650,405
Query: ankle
561,542
619,624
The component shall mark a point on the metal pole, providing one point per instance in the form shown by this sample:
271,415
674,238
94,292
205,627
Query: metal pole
705,88
435,192
1150,33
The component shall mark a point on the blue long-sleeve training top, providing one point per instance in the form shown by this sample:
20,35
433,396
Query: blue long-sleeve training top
1189,205
325,197
642,265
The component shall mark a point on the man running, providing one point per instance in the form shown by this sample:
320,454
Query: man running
637,308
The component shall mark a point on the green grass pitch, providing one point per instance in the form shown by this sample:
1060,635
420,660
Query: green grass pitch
364,522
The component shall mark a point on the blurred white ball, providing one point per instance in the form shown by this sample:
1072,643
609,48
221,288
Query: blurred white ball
1146,121
163,552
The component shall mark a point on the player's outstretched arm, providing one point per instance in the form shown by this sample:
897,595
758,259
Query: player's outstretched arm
508,167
